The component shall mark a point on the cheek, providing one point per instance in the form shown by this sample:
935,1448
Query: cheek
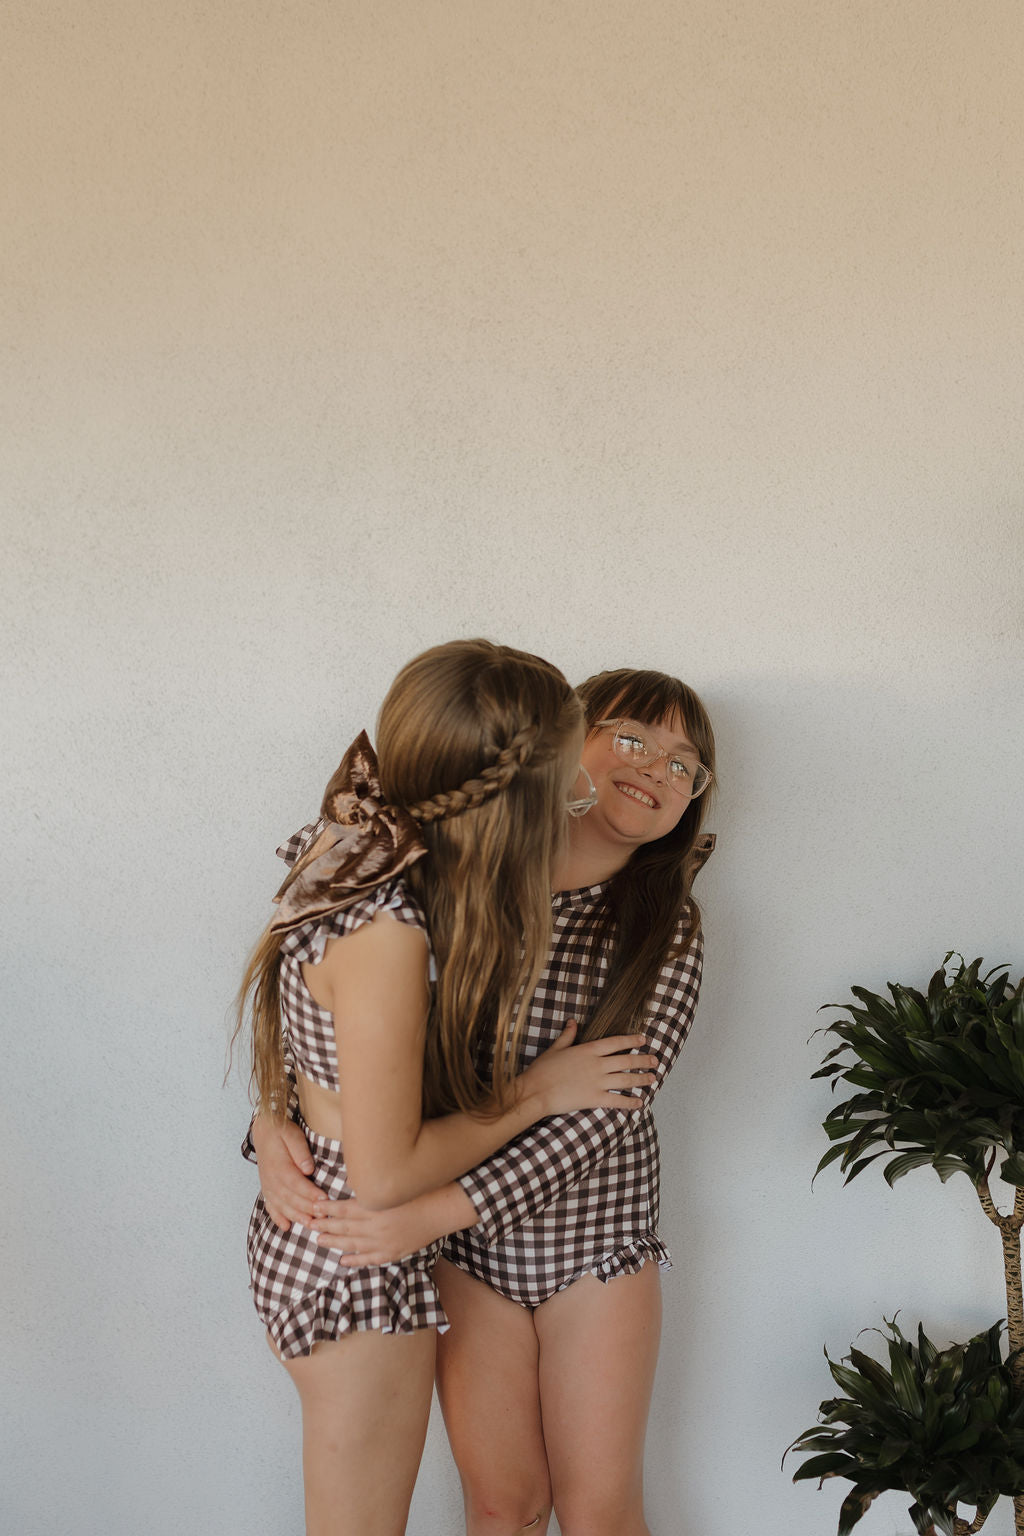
674,815
597,756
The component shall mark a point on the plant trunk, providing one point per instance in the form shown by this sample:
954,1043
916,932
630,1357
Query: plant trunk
1015,1320
1010,1233
1009,1230
962,1528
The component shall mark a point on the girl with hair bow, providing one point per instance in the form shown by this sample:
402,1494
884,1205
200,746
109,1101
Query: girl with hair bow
415,916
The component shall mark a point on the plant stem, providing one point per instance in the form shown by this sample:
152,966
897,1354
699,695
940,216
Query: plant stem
988,1205
1015,1318
1009,1230
961,1528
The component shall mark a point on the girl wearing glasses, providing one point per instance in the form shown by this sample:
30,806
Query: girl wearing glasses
550,1276
433,866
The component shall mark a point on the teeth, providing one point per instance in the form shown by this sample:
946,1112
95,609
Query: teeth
636,794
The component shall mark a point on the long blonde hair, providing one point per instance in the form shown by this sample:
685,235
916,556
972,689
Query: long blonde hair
471,741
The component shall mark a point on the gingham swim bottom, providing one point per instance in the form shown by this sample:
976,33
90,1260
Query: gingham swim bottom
303,1294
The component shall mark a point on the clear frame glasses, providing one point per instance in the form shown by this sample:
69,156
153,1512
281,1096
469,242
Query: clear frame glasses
685,772
584,794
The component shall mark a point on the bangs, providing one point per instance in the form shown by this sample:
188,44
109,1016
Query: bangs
648,697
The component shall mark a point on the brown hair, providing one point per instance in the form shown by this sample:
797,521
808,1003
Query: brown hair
646,899
471,741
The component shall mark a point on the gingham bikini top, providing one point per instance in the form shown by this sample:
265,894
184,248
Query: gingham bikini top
307,1028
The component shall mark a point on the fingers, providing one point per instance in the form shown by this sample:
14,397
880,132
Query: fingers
296,1190
641,1061
566,1038
629,1082
297,1185
616,1099
298,1147
339,1219
327,1210
348,1258
352,1250
287,1194
283,1212
609,1045
277,1216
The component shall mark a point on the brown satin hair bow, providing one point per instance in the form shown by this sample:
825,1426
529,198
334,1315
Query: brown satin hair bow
702,850
362,844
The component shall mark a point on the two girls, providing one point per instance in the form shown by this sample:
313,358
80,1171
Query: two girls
415,917
551,1281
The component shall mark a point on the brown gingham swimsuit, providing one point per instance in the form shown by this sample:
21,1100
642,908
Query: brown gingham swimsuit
578,1194
301,1291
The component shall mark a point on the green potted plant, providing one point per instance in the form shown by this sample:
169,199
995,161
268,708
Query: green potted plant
937,1079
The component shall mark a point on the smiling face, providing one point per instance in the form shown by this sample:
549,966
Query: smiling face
636,804
638,816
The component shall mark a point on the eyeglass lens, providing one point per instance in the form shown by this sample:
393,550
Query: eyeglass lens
687,775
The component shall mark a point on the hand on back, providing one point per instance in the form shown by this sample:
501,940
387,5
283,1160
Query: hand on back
284,1160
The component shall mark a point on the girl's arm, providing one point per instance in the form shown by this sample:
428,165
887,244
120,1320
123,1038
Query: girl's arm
536,1168
374,983
545,1163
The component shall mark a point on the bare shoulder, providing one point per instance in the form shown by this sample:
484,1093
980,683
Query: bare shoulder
383,941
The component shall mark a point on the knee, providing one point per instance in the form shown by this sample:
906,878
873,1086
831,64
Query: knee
514,1513
587,1513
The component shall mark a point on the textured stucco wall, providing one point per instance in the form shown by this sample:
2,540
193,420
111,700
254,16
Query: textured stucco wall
675,334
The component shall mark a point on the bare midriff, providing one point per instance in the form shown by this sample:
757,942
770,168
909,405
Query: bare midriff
321,1107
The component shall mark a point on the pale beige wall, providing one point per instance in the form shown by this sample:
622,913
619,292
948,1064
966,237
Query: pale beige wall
680,334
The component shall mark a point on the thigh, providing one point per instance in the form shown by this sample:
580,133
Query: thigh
365,1404
487,1384
598,1352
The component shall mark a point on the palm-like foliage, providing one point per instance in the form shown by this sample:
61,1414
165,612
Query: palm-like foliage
939,1078
944,1425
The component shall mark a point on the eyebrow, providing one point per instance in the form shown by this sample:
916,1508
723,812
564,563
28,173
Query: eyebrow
681,743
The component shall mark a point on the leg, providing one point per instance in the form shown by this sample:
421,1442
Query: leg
487,1383
365,1403
598,1351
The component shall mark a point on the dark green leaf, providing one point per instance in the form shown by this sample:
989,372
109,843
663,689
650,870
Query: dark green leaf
903,1164
854,1507
903,1379
870,1369
890,1451
833,1464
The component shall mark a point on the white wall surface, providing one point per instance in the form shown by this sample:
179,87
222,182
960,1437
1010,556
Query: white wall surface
673,334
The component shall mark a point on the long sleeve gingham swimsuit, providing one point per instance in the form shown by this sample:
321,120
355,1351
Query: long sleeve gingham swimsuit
578,1194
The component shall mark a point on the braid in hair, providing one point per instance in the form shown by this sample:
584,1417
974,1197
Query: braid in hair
488,783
